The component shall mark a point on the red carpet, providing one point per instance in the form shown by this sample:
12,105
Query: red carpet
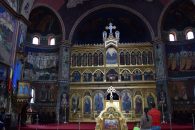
91,126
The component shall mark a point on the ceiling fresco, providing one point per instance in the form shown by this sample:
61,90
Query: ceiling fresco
180,14
44,21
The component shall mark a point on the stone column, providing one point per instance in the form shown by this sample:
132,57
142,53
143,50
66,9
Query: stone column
161,76
63,82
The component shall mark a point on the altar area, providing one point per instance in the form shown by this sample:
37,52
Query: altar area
111,117
128,67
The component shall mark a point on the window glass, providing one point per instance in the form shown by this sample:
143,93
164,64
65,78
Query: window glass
189,35
171,37
52,41
35,41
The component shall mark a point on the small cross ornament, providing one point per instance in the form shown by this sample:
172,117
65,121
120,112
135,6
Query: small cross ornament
110,27
111,90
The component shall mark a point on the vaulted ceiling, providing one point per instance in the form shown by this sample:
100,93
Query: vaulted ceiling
130,26
179,15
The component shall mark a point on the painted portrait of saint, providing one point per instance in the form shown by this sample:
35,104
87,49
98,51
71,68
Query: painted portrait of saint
138,105
87,105
111,56
98,102
126,102
75,103
150,101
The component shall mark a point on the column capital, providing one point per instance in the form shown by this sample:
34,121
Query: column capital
157,40
65,43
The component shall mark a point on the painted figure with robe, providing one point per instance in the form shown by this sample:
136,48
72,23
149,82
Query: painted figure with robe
150,100
87,105
138,105
126,102
98,102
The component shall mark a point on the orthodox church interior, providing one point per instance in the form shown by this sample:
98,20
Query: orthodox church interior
75,62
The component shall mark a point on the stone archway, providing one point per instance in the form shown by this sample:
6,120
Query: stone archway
107,6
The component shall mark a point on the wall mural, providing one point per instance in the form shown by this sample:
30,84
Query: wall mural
3,97
65,63
45,92
21,33
63,105
182,90
159,59
7,31
44,21
13,4
3,72
181,59
3,88
26,8
41,66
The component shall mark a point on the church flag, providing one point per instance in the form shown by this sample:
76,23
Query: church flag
16,74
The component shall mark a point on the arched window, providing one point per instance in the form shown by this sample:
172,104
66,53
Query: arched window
137,75
148,75
139,58
150,57
85,59
32,96
95,59
79,58
35,40
133,58
101,59
172,37
189,35
122,58
126,75
127,58
98,76
89,59
87,77
144,57
74,59
76,76
52,41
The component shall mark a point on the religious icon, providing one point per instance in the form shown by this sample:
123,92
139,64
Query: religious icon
111,56
126,76
126,102
76,77
98,76
75,103
138,105
150,100
111,124
87,105
98,102
137,75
